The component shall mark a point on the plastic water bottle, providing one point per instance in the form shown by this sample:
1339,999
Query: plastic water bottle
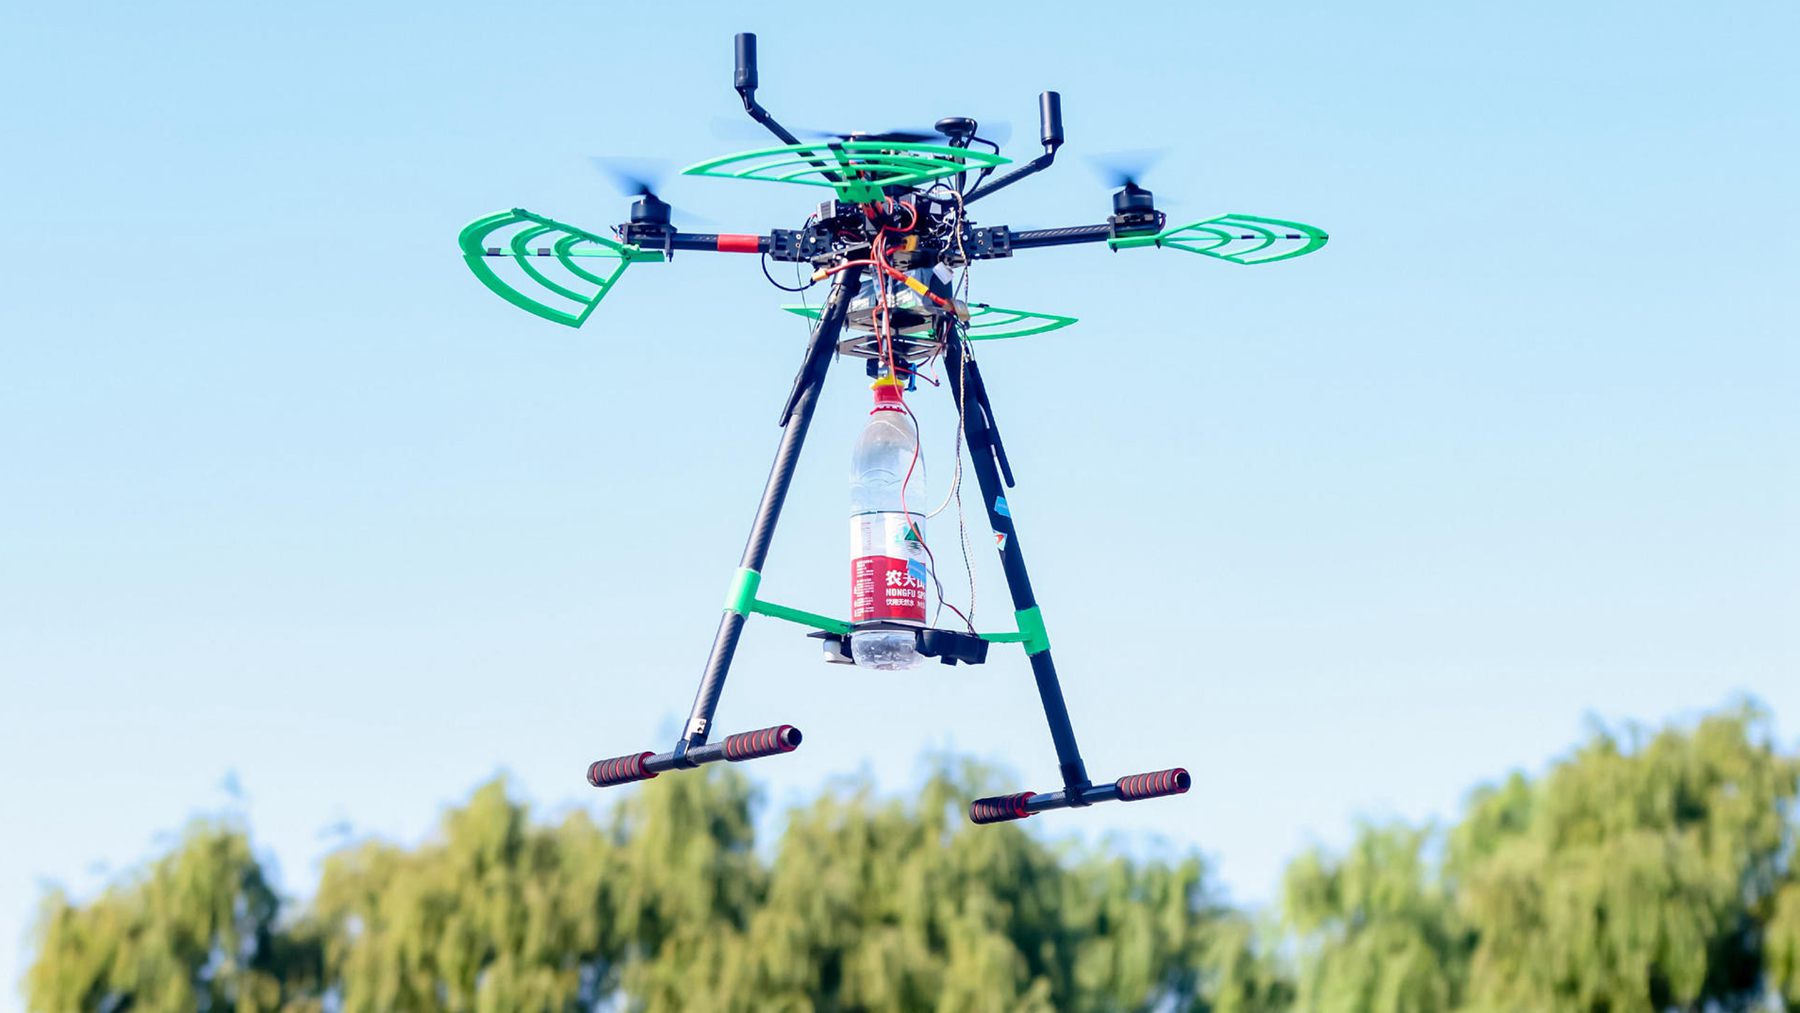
888,563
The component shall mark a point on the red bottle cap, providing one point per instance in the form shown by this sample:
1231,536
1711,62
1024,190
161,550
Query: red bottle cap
887,394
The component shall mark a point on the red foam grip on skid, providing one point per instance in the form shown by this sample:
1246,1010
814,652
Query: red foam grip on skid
739,243
1000,808
762,742
1155,784
620,770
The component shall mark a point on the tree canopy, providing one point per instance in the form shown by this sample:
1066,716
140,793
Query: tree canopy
1643,871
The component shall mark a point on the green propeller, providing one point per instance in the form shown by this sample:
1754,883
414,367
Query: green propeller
536,243
857,170
986,323
1241,239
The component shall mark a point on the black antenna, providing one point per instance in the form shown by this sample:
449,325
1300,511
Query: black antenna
1049,120
1050,132
743,79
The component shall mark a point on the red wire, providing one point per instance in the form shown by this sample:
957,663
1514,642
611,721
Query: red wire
878,251
846,265
883,320
909,225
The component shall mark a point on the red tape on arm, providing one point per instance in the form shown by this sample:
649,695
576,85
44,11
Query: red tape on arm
735,243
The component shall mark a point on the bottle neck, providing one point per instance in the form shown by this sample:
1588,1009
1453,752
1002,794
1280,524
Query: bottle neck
888,398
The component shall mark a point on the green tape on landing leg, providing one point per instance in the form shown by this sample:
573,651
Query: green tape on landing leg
742,600
742,596
1031,633
1031,623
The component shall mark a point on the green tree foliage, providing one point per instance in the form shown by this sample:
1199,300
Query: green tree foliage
196,931
1238,972
1638,875
1781,941
687,886
865,904
495,915
1642,872
1378,932
888,906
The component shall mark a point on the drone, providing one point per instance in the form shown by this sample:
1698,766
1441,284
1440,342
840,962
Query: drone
890,232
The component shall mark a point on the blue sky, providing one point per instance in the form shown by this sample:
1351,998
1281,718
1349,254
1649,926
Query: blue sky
288,497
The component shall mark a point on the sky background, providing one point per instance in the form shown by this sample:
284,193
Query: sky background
289,502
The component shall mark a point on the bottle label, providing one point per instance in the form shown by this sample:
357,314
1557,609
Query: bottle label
887,568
